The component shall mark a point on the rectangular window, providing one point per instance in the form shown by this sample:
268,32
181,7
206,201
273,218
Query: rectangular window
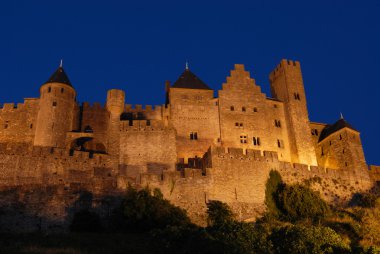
314,132
243,139
254,109
147,122
193,135
232,108
54,103
49,89
277,123
243,109
256,141
280,143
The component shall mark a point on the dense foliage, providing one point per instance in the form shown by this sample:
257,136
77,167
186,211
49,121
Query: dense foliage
298,202
144,210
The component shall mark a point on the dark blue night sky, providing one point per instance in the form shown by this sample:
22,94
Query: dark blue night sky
137,45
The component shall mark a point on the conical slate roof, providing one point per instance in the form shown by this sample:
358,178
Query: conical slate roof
338,125
190,81
59,76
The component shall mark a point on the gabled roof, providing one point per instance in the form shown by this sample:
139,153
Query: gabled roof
338,125
59,76
190,81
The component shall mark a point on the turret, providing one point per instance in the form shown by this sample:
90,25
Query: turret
56,106
287,86
115,107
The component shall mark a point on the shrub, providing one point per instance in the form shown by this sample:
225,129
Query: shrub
218,213
273,185
310,239
366,200
143,211
297,202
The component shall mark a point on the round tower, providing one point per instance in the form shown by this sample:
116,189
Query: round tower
115,107
56,109
115,101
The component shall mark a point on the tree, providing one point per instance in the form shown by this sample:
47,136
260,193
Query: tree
143,211
310,239
273,185
218,213
298,202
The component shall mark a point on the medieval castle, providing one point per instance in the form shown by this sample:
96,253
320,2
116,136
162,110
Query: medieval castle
196,147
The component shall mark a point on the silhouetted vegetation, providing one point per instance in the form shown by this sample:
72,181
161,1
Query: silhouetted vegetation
144,210
85,221
297,221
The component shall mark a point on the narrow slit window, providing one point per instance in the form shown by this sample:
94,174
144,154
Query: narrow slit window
193,135
62,90
49,89
232,108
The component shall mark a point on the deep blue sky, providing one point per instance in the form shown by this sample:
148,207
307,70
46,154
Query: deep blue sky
137,45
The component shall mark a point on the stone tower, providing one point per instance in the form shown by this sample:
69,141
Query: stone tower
115,107
56,108
287,86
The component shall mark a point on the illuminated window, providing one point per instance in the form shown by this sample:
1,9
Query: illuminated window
193,135
280,143
256,141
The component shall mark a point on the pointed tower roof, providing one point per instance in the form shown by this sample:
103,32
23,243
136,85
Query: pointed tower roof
59,76
338,125
190,80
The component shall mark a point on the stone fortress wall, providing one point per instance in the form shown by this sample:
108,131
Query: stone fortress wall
194,148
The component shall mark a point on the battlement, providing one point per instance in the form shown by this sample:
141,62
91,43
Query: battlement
92,106
243,154
141,125
140,108
283,65
189,174
14,107
19,149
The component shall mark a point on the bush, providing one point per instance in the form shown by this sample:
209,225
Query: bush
85,221
297,202
273,185
365,200
310,239
218,213
143,211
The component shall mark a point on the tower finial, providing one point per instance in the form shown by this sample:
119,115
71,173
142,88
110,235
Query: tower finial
341,115
187,65
61,64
